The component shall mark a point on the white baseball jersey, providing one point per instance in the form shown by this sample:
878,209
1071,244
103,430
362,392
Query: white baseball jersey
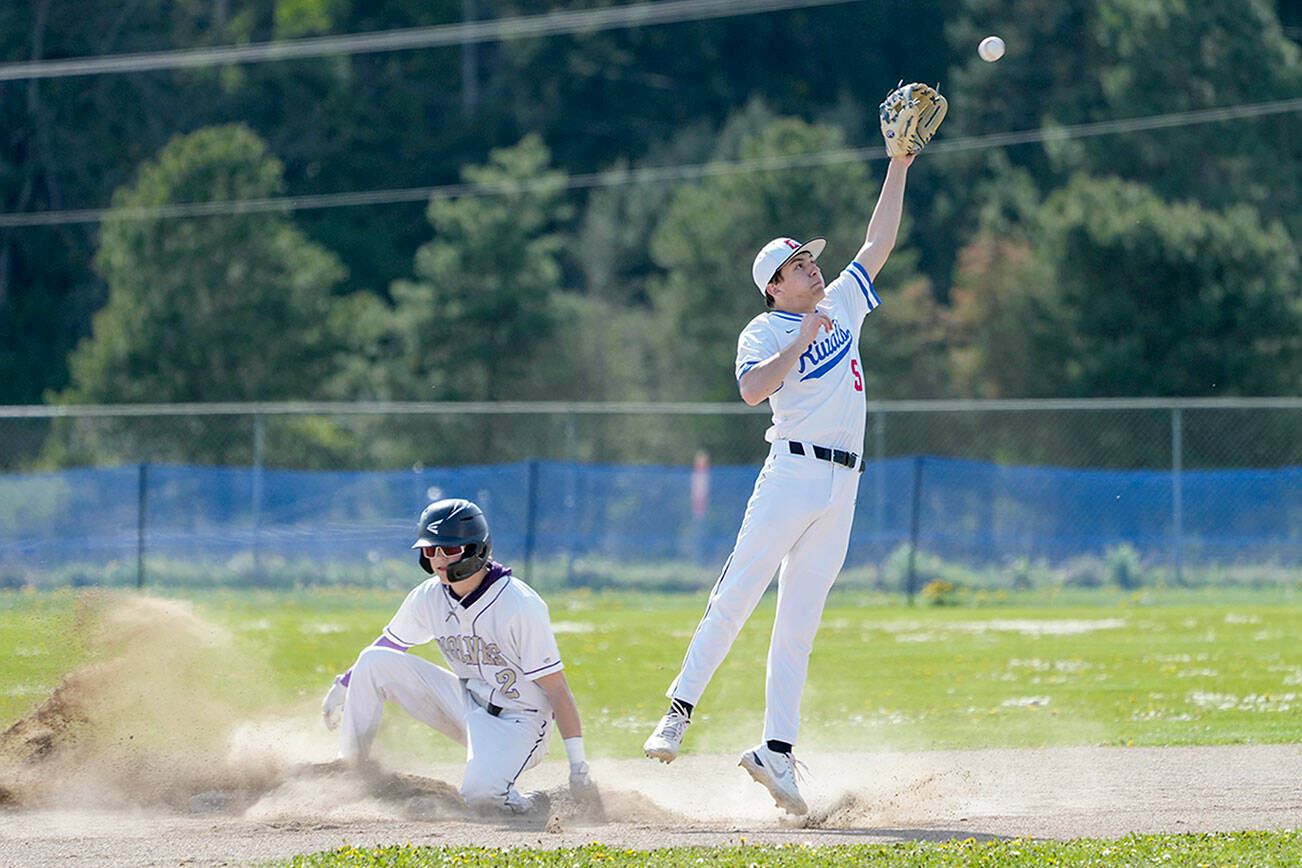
499,645
821,400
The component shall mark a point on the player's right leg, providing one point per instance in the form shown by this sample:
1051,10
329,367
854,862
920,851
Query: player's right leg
427,692
770,526
667,737
499,750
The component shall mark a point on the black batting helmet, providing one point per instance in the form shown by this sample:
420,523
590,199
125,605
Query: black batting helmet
454,522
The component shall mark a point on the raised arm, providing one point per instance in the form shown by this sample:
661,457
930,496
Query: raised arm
885,222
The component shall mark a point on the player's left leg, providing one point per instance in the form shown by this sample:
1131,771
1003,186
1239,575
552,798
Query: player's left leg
803,584
787,492
498,751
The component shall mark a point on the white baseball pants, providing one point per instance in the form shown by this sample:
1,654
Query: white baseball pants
498,749
797,523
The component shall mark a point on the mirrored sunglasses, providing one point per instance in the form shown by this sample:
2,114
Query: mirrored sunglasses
446,551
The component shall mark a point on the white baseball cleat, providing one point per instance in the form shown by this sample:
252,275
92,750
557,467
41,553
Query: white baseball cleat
777,772
534,803
668,736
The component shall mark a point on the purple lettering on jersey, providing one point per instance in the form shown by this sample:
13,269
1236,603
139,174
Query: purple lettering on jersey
471,650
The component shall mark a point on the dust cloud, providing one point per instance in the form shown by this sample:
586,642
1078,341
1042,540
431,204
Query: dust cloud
144,723
155,723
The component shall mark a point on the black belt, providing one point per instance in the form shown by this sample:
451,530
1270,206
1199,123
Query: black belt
492,709
836,456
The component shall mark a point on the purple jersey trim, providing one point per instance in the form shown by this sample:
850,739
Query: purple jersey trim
386,642
389,639
382,642
495,571
542,669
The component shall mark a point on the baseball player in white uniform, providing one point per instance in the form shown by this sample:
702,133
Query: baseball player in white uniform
504,683
803,356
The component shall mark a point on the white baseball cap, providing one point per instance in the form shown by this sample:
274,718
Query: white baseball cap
778,253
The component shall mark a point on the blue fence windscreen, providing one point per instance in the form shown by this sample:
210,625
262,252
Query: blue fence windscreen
969,512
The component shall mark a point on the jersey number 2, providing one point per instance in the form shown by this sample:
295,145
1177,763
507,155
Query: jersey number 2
506,678
858,377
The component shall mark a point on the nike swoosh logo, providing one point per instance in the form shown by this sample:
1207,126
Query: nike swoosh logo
791,331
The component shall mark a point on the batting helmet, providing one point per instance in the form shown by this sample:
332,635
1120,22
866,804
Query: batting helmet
454,522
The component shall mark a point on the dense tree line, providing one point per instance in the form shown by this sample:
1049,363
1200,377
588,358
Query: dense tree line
1155,262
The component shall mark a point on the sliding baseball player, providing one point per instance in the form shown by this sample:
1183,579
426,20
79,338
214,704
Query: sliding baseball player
503,686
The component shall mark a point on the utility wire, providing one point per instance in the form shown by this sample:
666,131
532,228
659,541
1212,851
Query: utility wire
463,33
647,175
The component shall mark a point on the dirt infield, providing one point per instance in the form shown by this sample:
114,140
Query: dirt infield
854,798
134,761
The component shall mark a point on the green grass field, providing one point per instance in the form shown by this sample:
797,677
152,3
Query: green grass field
1249,850
1163,667
1159,668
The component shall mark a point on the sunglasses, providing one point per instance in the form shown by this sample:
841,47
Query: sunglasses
446,551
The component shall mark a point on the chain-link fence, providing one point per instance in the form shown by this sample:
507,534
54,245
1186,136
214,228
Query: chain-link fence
1104,434
990,493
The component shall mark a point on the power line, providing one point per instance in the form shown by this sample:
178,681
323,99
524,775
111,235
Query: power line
647,175
664,408
463,33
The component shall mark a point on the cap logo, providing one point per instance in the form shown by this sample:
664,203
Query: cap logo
792,244
433,527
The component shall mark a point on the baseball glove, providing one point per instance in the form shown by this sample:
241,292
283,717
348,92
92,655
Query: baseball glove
910,117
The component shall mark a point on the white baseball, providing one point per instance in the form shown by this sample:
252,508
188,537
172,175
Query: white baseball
991,49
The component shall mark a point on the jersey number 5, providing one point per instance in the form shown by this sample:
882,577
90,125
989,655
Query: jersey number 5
858,377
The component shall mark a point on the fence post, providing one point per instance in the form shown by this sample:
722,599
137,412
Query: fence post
571,492
530,516
1177,493
879,480
913,526
142,501
259,445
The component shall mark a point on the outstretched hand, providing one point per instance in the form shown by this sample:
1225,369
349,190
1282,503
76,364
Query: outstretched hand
581,785
332,707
